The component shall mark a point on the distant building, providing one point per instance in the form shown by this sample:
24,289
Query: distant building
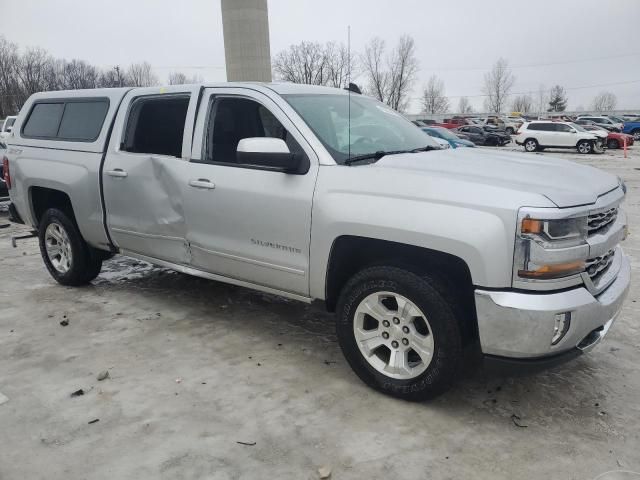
245,24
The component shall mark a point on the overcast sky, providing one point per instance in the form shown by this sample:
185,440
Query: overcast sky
574,43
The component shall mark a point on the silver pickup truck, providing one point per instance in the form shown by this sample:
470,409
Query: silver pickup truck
322,194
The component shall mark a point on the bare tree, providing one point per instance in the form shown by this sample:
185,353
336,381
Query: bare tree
403,66
179,78
522,103
9,87
604,101
141,75
112,78
497,85
374,68
433,97
78,74
542,98
390,79
340,65
36,73
302,63
464,106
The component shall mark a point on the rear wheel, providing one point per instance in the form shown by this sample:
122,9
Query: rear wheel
69,259
531,145
398,332
613,143
636,134
585,146
509,130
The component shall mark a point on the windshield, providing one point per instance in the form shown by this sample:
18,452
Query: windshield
578,127
374,126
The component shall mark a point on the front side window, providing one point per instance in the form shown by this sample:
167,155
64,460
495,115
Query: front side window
233,118
374,126
156,125
561,127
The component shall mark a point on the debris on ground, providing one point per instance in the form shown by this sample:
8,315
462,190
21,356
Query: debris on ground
517,421
324,471
248,444
64,322
178,380
95,420
3,399
78,393
103,375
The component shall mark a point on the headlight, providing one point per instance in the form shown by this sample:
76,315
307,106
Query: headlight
550,249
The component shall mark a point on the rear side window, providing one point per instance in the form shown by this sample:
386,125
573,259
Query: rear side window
156,125
79,121
82,120
44,120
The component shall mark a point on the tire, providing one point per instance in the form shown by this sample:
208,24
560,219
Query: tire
584,147
636,134
531,145
69,259
509,131
429,324
613,144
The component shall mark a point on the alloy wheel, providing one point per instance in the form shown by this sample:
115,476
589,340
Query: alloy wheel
58,247
393,335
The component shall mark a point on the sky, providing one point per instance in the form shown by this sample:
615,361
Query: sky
587,46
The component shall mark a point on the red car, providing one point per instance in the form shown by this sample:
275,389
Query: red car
614,139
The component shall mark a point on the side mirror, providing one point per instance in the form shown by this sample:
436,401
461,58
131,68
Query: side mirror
272,154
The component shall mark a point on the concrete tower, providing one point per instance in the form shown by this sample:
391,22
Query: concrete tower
245,24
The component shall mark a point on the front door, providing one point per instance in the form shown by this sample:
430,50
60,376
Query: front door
143,171
246,222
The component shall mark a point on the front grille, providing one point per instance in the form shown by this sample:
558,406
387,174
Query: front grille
599,221
597,266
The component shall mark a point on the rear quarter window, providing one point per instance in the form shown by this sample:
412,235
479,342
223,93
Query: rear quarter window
44,120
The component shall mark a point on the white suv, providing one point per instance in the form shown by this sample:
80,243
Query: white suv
535,136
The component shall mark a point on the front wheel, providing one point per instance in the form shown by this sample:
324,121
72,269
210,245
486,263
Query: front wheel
530,145
509,130
636,134
585,146
613,144
69,259
399,333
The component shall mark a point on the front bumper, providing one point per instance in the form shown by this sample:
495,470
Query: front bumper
520,325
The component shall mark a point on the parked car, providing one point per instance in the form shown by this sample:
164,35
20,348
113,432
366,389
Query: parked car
424,122
449,136
3,186
254,185
481,136
613,139
632,127
440,141
603,122
535,136
7,126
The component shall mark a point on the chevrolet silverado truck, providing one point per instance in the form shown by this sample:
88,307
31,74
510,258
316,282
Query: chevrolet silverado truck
316,193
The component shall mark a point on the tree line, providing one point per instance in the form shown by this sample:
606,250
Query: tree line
23,73
390,75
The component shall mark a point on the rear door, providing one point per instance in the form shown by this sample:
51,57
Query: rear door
246,222
144,169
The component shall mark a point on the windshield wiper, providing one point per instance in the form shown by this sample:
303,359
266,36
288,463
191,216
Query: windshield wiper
381,153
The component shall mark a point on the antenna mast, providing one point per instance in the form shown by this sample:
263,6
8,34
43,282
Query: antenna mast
349,85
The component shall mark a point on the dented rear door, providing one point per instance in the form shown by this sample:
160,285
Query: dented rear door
143,175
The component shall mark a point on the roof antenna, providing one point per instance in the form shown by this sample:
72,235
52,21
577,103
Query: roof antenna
349,83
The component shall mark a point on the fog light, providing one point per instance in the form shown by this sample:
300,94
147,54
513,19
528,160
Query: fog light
561,327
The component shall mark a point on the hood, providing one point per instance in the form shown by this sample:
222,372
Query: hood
464,142
566,184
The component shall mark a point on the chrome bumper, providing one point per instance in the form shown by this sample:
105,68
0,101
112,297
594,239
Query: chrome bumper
520,325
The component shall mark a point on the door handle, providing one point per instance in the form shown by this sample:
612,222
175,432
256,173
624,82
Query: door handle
117,172
204,183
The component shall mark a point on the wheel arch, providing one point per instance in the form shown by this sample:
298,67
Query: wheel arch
350,254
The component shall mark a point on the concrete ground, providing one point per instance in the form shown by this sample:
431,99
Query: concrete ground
197,367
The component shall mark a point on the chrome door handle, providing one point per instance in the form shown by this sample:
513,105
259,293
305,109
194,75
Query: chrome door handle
117,172
202,183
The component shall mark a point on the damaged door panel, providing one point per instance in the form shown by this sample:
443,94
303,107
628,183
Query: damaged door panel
144,172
